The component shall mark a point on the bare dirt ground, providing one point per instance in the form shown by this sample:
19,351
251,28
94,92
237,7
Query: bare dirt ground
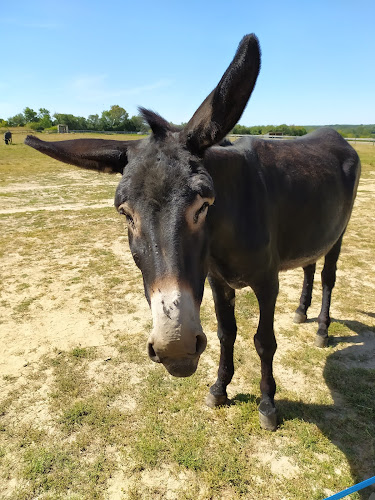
56,322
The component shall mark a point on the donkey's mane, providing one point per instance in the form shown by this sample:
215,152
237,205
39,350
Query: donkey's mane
158,124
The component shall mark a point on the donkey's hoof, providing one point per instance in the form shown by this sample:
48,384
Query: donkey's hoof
213,401
299,317
321,340
267,416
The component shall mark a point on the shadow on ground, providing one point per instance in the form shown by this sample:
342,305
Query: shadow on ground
350,422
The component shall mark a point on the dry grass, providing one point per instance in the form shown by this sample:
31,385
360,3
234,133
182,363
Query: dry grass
83,412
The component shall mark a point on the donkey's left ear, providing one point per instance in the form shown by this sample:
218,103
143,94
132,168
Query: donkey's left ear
222,109
93,154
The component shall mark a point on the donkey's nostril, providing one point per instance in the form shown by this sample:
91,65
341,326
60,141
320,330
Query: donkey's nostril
152,354
201,343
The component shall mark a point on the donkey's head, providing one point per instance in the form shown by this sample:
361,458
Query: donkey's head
165,194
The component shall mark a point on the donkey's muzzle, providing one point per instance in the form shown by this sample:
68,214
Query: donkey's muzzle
180,365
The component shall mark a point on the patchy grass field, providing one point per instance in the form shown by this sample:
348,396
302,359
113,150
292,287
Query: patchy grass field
85,415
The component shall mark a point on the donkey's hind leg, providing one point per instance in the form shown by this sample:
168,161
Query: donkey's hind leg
328,282
305,300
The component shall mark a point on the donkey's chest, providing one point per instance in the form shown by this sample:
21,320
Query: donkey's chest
241,263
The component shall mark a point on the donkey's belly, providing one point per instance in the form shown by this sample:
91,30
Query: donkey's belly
303,261
309,245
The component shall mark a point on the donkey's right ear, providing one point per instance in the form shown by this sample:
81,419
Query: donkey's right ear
93,154
222,109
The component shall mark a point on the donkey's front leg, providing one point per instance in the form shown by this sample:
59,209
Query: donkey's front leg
224,298
265,344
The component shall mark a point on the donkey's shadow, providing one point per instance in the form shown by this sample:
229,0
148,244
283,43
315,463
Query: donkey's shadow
350,422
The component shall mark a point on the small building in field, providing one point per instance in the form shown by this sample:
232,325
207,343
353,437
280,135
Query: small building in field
62,129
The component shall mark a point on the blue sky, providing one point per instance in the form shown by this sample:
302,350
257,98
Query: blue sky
81,57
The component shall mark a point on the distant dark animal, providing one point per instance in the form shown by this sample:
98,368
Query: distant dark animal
238,214
8,137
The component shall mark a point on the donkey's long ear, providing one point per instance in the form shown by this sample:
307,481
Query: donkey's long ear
94,154
222,109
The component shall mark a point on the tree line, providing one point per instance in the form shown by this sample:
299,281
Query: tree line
344,130
353,130
270,129
115,119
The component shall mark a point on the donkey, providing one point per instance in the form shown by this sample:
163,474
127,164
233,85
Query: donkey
236,214
8,137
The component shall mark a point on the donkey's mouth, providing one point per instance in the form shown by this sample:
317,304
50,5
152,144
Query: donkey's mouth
183,367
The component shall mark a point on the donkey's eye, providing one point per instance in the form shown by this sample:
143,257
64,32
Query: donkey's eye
129,218
202,209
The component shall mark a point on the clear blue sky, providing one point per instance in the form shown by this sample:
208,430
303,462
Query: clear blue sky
80,57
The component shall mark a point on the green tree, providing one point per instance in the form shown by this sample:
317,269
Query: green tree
73,122
35,126
299,131
241,129
44,118
43,112
16,120
136,124
30,115
114,119
94,123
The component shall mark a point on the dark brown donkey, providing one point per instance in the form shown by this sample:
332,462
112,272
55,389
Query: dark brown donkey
238,214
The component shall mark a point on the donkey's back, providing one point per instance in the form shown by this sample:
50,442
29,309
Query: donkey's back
310,183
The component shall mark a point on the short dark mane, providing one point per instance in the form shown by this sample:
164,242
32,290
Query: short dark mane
158,124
